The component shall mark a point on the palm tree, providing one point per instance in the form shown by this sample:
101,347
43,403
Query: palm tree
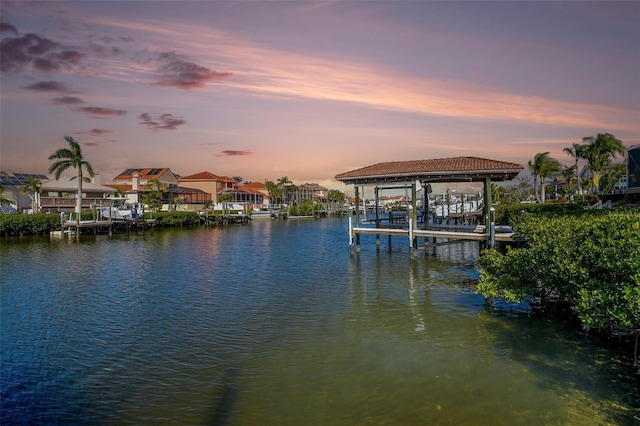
576,151
543,167
71,157
599,151
33,188
3,200
154,196
275,194
282,183
611,175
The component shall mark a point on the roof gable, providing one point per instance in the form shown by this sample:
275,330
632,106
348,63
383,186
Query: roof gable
200,176
143,173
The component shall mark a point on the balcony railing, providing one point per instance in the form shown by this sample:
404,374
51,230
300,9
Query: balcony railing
55,202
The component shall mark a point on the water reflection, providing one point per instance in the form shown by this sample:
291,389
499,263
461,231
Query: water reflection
277,323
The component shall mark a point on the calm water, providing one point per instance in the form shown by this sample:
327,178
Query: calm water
277,323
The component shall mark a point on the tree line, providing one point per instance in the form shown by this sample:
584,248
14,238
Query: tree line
597,151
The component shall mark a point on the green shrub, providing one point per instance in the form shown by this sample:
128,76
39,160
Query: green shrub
28,224
301,210
174,218
506,213
589,259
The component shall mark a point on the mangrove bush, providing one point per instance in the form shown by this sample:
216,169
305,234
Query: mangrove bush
590,260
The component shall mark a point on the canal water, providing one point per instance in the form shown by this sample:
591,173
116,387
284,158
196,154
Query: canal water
278,323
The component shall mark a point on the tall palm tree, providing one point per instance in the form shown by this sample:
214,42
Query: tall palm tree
599,151
543,167
282,184
576,151
33,188
275,193
71,157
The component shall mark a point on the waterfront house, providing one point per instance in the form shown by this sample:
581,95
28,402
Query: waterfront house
262,188
55,196
209,183
134,182
60,195
245,196
17,200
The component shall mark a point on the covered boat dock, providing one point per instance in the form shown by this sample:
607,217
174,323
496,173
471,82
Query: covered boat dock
411,174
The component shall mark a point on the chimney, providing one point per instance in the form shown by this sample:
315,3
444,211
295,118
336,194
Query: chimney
135,181
96,180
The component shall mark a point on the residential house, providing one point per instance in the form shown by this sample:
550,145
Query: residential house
246,196
209,183
134,183
12,191
305,192
60,195
262,188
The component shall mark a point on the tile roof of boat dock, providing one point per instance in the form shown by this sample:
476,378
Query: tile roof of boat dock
455,169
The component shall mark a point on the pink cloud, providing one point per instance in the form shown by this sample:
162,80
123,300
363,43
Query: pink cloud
234,153
158,122
48,86
67,100
32,51
176,72
6,27
99,112
99,132
99,144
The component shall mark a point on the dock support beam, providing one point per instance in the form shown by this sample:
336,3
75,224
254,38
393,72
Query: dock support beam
413,221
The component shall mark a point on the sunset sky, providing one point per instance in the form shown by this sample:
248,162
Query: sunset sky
308,90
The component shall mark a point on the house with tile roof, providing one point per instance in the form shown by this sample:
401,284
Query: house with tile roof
246,196
262,188
134,183
209,183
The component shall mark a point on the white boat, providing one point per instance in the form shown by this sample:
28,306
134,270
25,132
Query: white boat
124,212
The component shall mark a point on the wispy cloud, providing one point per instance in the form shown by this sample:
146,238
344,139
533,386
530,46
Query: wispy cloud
67,100
31,51
99,112
95,144
264,71
98,132
49,86
158,122
234,153
6,27
174,71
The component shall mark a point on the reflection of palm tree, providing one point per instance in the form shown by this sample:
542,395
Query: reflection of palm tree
598,152
33,188
71,157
